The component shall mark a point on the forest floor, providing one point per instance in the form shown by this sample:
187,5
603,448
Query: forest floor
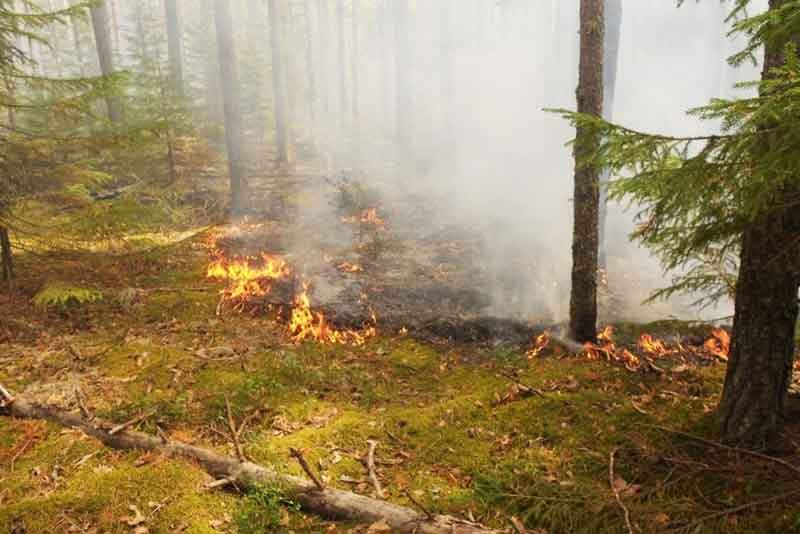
457,428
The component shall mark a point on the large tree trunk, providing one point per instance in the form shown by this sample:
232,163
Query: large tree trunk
583,297
229,79
762,349
613,28
329,503
278,92
105,55
175,47
6,258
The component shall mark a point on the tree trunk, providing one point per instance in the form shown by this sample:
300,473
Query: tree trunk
278,92
762,349
311,78
583,297
105,55
324,54
229,80
354,67
613,18
340,64
6,258
403,107
329,503
175,46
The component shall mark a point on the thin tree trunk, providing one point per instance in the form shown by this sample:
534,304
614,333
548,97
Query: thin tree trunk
403,107
383,54
354,66
762,349
175,46
583,297
340,64
310,74
115,23
229,78
105,55
7,258
278,93
323,17
613,28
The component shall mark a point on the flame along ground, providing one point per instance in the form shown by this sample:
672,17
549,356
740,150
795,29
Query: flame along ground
253,276
651,348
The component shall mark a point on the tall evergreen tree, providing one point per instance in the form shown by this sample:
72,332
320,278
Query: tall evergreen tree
175,46
583,296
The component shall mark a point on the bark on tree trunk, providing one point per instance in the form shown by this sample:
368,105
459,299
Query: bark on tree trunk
7,263
105,55
175,46
278,93
229,79
583,297
762,349
329,503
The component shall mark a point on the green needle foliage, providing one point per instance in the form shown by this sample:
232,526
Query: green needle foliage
697,194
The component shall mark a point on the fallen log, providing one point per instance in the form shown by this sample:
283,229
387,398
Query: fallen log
328,503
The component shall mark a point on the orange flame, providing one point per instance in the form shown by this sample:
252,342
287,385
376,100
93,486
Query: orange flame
539,344
719,344
247,277
652,346
368,216
306,325
347,267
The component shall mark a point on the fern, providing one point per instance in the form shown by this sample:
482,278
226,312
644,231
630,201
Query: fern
59,295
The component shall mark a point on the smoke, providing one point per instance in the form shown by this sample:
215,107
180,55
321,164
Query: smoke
483,153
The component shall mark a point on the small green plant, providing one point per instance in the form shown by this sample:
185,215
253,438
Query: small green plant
263,510
58,295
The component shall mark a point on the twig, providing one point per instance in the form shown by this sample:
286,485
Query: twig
519,528
219,483
611,480
234,431
82,405
722,446
298,455
20,452
7,397
524,387
128,424
370,464
734,510
416,503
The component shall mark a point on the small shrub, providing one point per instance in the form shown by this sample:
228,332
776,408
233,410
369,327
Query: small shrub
57,295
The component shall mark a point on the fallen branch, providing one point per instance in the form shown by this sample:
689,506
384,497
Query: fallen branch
370,464
5,396
330,503
612,481
524,389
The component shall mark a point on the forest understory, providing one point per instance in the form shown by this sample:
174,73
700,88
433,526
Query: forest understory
211,337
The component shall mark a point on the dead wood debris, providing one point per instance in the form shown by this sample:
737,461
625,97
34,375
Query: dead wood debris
370,464
612,479
330,502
